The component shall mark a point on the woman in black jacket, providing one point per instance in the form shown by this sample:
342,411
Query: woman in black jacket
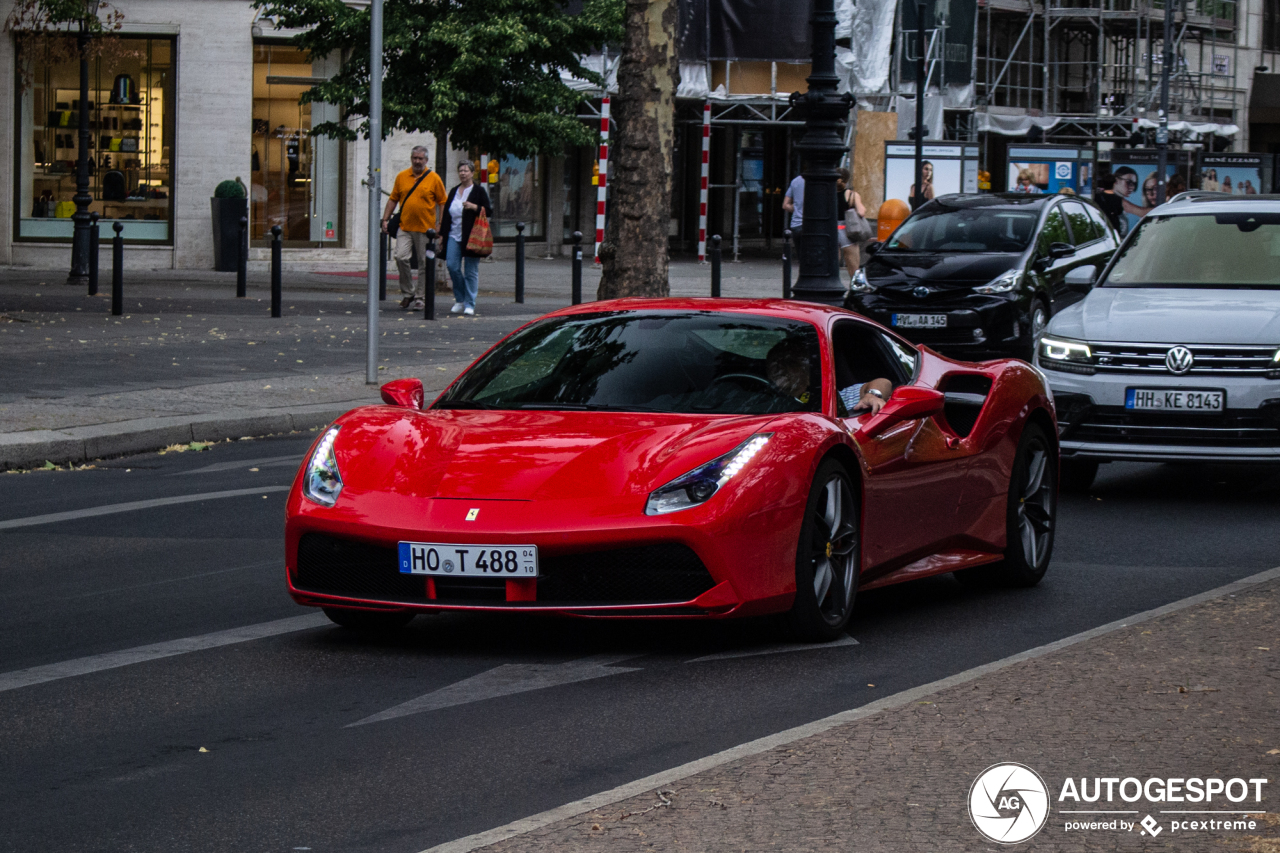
464,204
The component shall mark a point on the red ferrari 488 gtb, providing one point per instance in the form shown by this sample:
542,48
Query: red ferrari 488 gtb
679,458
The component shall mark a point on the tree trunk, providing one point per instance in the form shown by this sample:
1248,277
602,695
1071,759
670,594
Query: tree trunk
634,252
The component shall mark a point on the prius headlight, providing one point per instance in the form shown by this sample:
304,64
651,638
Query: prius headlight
697,486
1002,283
322,483
1065,354
860,284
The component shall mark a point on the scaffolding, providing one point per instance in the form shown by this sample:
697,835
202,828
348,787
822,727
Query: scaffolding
1096,64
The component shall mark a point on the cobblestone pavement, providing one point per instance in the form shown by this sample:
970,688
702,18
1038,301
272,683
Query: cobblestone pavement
1195,693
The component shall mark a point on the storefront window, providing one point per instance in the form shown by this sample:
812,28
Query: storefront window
130,143
517,189
297,177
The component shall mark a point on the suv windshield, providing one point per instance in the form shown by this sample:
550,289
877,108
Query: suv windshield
699,362
1233,250
966,230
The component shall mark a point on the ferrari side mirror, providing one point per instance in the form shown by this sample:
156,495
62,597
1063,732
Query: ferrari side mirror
906,403
404,392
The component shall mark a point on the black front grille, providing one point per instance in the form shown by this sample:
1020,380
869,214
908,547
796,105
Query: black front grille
648,574
1105,425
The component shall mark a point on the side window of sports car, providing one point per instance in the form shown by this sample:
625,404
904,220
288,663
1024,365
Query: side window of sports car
862,353
907,357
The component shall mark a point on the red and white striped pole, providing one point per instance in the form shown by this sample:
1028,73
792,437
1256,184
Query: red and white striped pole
602,187
702,191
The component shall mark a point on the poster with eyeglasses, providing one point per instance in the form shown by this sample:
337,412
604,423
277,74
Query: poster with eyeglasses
1136,179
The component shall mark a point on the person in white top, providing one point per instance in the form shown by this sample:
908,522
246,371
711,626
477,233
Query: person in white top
464,204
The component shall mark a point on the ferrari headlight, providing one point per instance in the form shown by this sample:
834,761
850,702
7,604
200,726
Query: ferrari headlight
322,483
1002,283
1065,354
697,486
860,284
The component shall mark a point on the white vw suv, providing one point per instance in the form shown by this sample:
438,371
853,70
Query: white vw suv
1175,353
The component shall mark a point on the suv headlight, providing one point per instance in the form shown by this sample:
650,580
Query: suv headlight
859,284
1066,355
1002,283
697,486
322,483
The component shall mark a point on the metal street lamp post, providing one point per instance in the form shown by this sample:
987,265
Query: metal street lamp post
821,148
79,274
1162,131
918,198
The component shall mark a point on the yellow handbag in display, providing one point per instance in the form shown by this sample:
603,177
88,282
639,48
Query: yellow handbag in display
64,209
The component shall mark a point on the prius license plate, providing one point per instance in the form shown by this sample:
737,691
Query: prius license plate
919,321
469,561
1174,400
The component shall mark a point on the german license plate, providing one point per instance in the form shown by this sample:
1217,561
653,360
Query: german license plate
1174,400
919,321
469,561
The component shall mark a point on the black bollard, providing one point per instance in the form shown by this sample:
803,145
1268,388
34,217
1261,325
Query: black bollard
786,264
382,266
93,254
242,264
117,271
519,262
427,275
275,271
715,266
577,267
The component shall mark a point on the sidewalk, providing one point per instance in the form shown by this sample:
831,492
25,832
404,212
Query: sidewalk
190,362
1193,693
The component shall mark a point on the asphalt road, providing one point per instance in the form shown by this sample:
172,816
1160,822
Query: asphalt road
250,745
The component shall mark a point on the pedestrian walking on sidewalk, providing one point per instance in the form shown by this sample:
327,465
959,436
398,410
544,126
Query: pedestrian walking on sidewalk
464,204
419,192
850,247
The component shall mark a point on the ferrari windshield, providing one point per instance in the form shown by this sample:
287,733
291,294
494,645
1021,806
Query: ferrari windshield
702,362
980,229
1227,250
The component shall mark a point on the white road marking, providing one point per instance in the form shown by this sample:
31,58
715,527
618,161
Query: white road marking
781,648
764,744
293,460
130,506
155,651
506,680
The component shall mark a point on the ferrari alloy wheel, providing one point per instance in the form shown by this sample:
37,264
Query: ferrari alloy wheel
827,560
1030,518
368,621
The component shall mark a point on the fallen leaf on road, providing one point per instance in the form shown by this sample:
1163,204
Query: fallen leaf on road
1263,648
253,469
202,749
1273,752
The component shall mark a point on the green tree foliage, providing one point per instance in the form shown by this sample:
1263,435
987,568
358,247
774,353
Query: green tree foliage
487,71
47,29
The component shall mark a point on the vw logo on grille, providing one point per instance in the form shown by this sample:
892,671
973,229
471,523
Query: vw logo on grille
1179,360
921,292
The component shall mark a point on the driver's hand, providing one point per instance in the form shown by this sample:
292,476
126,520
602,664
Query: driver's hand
870,403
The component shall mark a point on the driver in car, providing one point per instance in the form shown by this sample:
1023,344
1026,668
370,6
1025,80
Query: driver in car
788,368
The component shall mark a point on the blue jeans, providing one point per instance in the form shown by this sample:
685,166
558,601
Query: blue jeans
465,284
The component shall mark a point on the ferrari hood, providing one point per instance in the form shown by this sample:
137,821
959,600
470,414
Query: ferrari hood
528,455
1174,316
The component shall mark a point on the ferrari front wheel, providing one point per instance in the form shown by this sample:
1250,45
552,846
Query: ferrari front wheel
827,559
368,621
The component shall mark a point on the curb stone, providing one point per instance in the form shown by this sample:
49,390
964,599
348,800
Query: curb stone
81,444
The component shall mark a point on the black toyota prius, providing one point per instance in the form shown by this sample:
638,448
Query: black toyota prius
972,274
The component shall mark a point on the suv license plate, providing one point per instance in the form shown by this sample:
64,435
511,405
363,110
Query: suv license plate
473,561
919,321
1169,400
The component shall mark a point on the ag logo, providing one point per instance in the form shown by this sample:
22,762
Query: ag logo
1009,803
1062,171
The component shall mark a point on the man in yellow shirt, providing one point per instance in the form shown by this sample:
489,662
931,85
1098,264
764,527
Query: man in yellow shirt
418,214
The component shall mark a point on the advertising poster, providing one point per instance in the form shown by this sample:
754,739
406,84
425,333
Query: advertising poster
1238,174
944,171
1136,180
1046,169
